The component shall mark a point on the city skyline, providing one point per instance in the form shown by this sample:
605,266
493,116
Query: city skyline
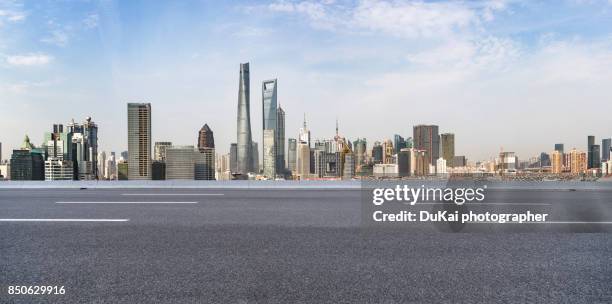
471,61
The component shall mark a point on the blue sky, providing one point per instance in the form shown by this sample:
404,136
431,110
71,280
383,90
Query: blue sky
521,75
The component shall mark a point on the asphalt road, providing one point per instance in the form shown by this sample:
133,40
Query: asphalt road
297,246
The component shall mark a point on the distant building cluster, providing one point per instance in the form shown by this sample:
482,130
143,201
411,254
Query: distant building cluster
70,152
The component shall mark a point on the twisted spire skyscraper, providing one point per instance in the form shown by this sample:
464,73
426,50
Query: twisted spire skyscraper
244,141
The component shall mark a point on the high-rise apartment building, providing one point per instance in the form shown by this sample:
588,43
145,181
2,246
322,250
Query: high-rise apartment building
447,145
557,162
139,141
388,152
244,148
425,137
578,161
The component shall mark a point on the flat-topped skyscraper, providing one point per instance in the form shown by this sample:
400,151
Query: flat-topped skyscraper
139,141
244,157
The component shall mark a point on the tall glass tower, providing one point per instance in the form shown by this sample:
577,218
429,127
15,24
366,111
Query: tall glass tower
244,157
139,141
269,127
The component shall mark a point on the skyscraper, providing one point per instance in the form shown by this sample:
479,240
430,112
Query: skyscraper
280,141
269,153
255,157
426,138
593,154
557,162
559,147
205,156
139,141
605,149
291,154
270,127
204,160
206,138
447,143
361,147
398,143
244,155
233,167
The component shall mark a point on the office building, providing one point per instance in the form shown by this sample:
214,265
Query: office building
398,143
559,147
180,162
447,145
27,163
122,170
403,162
348,166
292,155
244,149
139,141
593,153
303,160
160,150
204,161
361,150
507,162
269,153
419,162
255,159
304,134
158,170
280,141
233,155
459,161
58,169
606,149
425,137
206,138
545,160
385,170
377,153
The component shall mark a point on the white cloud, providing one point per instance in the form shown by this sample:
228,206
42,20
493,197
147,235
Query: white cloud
401,18
57,37
29,59
413,19
91,21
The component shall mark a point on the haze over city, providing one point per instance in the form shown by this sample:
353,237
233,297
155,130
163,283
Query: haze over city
522,75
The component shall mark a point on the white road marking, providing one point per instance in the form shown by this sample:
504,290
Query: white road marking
64,220
173,194
126,202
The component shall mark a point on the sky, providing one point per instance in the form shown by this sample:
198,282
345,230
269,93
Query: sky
518,75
